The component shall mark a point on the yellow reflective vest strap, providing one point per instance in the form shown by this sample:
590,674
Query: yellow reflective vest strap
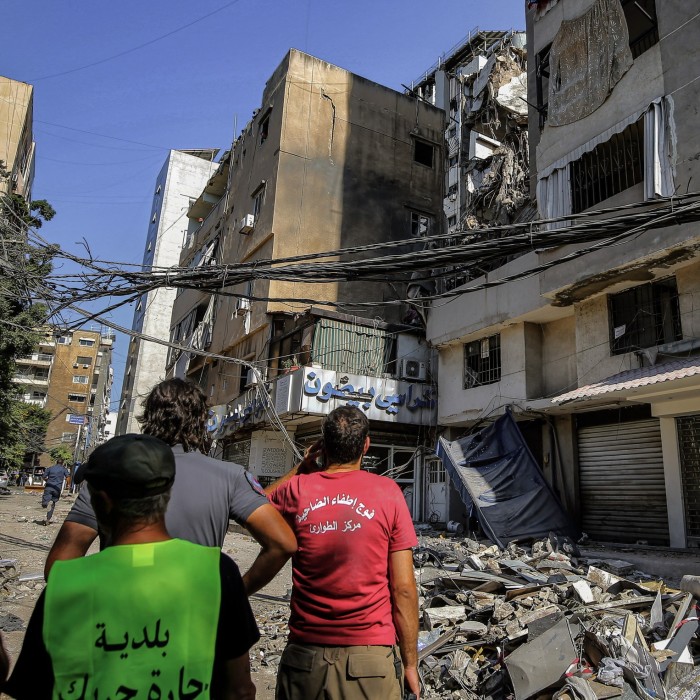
134,621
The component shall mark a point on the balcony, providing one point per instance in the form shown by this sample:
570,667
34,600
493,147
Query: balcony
36,358
30,380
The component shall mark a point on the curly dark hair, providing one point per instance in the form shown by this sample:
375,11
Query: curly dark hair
344,432
176,412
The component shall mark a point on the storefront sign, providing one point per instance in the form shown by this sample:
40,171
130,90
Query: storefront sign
380,398
227,418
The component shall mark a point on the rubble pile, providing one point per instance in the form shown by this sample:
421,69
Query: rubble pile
14,585
541,622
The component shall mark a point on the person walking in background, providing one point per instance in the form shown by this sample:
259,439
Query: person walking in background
354,594
207,492
149,616
55,477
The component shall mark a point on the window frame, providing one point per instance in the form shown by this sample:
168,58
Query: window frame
423,144
476,373
650,305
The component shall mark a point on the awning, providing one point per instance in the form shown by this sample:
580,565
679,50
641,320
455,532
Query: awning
632,379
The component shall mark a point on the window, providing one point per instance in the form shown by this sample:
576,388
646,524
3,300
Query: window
258,200
83,360
77,398
264,129
63,340
451,221
87,342
542,83
482,362
645,316
453,161
80,379
423,152
641,25
421,224
610,168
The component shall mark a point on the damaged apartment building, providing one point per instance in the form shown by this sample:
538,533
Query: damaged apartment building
592,342
330,161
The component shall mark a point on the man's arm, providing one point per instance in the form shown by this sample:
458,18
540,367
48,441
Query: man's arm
238,683
278,543
404,600
308,465
73,541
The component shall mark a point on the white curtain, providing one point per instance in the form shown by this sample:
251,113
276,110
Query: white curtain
554,196
658,149
554,185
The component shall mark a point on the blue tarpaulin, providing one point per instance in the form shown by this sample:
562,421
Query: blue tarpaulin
494,471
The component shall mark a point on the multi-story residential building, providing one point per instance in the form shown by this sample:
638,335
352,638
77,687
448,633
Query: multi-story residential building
16,136
598,346
180,181
481,84
33,372
329,161
79,391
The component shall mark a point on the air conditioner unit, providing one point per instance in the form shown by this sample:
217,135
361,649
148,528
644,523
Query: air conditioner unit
412,369
75,365
86,366
247,224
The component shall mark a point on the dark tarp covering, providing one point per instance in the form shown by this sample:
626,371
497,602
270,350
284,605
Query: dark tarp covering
495,471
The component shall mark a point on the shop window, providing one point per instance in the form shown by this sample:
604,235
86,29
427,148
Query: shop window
482,362
645,316
610,168
641,25
423,152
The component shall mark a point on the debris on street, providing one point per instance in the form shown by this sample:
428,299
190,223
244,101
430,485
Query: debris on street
540,621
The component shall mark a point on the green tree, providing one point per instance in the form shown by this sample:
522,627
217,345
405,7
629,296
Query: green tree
62,452
23,268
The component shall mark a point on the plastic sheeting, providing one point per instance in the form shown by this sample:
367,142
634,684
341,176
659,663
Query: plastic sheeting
495,471
589,56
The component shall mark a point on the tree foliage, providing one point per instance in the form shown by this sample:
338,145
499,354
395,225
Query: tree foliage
22,266
62,452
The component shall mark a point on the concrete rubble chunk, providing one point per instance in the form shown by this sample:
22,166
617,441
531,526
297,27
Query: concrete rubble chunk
539,621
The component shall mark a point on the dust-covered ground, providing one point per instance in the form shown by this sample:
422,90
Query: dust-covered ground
24,538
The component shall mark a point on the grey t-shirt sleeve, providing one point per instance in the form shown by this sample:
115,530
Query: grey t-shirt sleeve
245,495
82,512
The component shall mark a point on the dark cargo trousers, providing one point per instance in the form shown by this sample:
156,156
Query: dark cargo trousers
309,672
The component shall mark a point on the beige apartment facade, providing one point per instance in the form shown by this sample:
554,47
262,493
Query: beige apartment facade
329,161
16,136
597,350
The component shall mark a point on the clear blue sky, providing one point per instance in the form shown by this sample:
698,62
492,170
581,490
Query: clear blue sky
185,90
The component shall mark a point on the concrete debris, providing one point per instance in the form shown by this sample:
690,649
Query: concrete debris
540,621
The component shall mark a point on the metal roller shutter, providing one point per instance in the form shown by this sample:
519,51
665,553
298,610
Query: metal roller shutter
623,493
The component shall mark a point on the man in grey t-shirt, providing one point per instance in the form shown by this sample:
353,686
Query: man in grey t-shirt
207,492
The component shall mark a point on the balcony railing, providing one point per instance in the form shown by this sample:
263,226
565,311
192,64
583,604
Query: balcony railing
35,357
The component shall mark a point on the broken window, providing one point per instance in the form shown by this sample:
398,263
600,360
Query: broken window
258,200
645,316
264,129
421,224
423,152
641,25
610,168
77,398
482,362
542,83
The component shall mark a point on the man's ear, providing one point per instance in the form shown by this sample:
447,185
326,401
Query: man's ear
366,447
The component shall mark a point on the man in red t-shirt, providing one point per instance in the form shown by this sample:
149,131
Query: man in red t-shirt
354,594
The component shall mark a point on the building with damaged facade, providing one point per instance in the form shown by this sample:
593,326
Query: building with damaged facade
330,161
594,340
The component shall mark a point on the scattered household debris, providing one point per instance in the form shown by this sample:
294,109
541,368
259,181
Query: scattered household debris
539,621
14,585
